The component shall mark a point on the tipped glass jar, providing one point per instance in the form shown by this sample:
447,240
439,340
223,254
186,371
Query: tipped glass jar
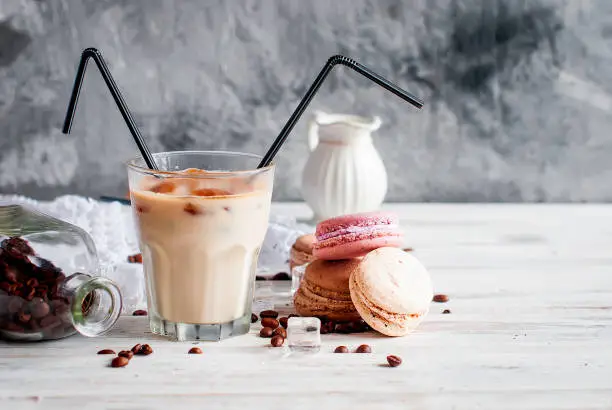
49,279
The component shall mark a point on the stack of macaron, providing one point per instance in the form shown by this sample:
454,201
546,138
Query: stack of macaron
360,271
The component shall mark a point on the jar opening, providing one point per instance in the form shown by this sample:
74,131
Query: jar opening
96,307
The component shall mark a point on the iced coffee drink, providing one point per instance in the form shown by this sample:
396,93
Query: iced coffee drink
201,226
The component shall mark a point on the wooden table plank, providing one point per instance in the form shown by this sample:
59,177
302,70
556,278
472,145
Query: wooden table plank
530,328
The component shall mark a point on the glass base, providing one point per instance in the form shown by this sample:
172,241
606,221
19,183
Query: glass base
183,332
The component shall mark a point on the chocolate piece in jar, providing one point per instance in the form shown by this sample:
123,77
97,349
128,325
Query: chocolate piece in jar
17,245
36,295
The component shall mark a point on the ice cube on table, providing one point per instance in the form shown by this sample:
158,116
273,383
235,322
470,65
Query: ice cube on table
304,334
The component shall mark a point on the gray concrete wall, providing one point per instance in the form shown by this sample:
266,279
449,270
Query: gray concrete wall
518,92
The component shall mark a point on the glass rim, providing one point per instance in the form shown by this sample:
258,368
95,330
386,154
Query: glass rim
132,165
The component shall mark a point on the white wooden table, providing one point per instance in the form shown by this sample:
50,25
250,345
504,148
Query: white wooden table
531,328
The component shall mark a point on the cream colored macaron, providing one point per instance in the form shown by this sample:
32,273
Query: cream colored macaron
391,290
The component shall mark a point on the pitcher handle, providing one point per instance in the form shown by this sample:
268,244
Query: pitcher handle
313,134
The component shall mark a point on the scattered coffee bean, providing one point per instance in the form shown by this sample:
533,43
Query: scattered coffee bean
341,349
269,313
106,351
266,332
269,322
11,275
364,349
283,321
327,326
446,311
281,276
137,258
140,312
119,361
277,341
440,298
136,349
409,249
195,350
281,332
128,354
394,361
343,328
254,318
145,350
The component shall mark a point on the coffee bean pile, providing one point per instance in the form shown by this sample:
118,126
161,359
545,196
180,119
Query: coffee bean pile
272,328
124,356
31,295
329,326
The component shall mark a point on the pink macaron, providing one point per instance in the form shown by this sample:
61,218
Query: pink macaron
351,236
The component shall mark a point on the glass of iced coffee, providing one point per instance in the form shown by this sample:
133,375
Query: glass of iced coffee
201,220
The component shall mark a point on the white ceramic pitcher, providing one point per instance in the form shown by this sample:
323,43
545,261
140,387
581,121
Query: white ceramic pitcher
344,173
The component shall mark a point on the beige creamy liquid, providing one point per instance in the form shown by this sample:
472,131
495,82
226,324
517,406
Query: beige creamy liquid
199,252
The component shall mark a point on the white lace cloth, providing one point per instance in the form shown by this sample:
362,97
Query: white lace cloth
112,228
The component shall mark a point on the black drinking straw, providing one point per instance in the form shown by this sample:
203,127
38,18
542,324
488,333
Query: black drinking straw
331,63
114,90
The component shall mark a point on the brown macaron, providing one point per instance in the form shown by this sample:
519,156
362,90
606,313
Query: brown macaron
301,251
324,290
